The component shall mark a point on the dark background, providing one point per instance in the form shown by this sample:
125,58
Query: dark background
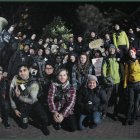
42,13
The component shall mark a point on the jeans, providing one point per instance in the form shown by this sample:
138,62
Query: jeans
94,117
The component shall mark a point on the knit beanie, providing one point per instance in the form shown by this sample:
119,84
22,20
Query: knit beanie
92,78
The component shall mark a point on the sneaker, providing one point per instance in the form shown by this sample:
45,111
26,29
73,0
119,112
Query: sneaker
45,130
57,126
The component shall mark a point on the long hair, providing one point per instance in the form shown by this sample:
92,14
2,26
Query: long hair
82,68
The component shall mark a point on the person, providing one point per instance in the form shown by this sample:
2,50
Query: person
23,98
112,77
121,42
132,83
80,71
4,99
92,102
61,101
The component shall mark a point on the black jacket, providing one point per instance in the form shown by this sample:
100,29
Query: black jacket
89,100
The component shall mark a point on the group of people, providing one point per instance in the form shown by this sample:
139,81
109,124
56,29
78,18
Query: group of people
46,86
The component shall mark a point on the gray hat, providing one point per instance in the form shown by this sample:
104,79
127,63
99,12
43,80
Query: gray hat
92,78
112,46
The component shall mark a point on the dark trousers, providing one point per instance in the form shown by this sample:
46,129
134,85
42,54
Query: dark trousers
133,99
4,110
113,97
34,110
123,52
69,123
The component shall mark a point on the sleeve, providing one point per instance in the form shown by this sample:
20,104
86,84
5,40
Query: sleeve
104,69
51,95
125,75
33,92
70,102
127,41
114,40
74,80
103,105
11,92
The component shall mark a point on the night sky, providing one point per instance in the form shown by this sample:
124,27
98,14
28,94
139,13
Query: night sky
44,12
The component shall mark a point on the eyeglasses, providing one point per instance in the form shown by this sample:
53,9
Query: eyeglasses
49,68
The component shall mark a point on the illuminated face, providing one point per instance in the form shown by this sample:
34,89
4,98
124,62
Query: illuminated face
72,58
79,39
83,59
24,73
63,76
117,27
33,36
40,52
112,50
92,84
92,34
49,69
132,54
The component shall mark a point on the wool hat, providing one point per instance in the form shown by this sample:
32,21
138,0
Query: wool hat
112,46
92,78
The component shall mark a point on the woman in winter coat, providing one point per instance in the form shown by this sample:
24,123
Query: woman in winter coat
80,71
132,83
92,102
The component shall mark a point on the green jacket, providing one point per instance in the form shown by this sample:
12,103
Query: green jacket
122,39
110,68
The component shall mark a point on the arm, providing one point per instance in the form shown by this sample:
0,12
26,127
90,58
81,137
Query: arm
70,102
114,40
51,94
125,75
33,91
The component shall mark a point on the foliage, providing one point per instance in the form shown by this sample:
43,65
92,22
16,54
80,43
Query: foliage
57,29
92,19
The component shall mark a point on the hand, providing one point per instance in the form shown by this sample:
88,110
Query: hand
55,116
17,113
60,118
118,50
17,91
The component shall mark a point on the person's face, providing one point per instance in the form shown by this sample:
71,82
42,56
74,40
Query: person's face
40,52
47,51
49,69
107,36
92,34
63,77
32,51
47,40
55,40
58,59
131,31
92,84
132,54
11,29
33,36
26,48
117,27
112,50
79,39
40,42
137,29
72,58
83,59
24,73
